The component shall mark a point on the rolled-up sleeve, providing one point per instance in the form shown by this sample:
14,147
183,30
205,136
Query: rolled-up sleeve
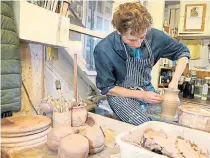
105,79
171,48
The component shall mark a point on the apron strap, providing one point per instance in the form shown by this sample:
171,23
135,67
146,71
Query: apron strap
125,49
148,47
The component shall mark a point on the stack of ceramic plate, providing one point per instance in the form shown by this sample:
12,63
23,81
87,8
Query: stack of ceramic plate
23,132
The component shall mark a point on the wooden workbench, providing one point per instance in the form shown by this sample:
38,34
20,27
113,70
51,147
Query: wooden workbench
105,123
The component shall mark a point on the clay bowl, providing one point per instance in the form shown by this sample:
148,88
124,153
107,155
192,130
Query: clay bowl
78,115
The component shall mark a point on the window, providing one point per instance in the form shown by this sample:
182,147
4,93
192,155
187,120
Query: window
107,10
99,23
89,43
106,25
99,6
90,16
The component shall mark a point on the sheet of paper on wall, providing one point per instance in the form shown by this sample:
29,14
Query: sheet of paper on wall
194,17
195,48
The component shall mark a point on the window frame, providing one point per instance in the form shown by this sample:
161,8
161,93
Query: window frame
89,32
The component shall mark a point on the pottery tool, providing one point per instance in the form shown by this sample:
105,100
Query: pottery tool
59,103
75,78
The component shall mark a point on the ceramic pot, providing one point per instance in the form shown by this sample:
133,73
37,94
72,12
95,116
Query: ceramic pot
171,102
79,115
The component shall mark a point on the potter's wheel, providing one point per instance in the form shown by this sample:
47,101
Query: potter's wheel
174,119
154,111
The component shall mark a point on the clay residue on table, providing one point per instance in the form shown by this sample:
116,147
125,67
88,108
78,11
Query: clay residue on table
171,146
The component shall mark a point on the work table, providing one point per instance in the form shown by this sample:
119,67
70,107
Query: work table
111,148
195,100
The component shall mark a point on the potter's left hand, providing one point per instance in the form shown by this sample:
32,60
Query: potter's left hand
173,85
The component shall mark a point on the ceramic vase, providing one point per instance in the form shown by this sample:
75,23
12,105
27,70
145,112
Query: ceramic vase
79,115
170,104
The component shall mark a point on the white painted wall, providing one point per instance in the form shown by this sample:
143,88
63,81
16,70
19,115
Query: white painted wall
156,9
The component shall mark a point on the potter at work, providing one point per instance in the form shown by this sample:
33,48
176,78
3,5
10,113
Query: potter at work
124,60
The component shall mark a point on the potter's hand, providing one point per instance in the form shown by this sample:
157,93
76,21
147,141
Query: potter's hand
173,85
152,97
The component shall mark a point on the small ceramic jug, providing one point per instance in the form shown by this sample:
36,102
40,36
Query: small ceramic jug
170,103
79,115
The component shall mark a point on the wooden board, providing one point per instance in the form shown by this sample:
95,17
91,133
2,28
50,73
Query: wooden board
20,124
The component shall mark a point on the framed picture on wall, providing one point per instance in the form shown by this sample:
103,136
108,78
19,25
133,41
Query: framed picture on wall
194,18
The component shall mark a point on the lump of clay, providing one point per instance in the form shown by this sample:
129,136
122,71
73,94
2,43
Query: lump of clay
171,146
56,134
74,146
95,138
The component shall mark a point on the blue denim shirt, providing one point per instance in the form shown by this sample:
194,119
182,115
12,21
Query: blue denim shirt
110,57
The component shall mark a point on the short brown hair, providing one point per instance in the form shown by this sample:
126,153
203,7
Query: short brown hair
132,16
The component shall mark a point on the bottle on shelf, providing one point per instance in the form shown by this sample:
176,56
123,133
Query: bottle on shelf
204,92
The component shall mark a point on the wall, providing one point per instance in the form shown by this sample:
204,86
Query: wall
62,69
156,9
32,76
39,77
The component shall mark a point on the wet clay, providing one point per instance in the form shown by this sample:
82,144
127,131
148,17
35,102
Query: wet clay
171,146
74,146
57,134
170,103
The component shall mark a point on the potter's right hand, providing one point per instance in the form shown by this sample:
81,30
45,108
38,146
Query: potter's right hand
152,97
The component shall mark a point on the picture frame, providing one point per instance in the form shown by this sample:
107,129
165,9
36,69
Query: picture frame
194,17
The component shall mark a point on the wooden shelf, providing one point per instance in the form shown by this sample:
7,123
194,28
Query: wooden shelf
200,86
39,25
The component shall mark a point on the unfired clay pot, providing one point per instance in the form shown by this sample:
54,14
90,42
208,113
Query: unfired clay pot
95,138
73,146
57,134
170,103
78,115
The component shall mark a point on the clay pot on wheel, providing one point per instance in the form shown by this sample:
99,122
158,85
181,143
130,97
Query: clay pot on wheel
170,103
78,115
